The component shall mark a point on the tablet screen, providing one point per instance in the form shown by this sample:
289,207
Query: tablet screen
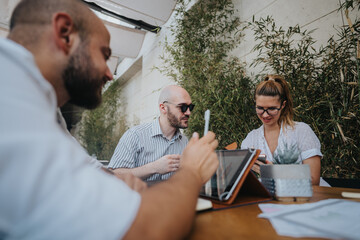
232,165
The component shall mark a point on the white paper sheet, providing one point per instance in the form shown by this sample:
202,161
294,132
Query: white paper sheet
203,204
331,218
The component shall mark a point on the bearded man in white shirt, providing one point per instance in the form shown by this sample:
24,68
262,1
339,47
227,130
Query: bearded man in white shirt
55,53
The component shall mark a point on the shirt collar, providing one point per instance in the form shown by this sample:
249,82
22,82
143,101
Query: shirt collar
156,130
24,58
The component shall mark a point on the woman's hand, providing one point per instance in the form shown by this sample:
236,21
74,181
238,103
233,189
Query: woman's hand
257,164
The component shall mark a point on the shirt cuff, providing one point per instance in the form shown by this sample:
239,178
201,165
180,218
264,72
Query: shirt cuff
311,153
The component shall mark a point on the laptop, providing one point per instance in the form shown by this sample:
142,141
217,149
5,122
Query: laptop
232,166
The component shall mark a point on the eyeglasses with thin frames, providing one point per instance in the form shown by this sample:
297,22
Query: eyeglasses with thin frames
272,111
183,107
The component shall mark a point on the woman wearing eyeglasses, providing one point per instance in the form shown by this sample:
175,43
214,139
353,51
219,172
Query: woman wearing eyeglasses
280,138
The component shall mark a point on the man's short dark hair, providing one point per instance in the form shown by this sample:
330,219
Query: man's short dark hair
40,12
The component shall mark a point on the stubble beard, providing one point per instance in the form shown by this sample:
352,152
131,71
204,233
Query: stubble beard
174,122
81,81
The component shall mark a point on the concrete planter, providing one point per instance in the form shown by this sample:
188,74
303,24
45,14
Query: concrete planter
287,182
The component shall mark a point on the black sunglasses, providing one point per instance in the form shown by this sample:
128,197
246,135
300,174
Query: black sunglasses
183,107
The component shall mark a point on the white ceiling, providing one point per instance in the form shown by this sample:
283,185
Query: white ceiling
6,8
154,12
126,41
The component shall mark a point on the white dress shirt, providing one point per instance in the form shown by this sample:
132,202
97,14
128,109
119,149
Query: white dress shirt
48,189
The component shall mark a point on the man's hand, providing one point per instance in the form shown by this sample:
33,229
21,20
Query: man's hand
168,163
176,198
199,156
133,182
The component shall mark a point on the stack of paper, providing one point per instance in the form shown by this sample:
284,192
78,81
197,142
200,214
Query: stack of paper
331,218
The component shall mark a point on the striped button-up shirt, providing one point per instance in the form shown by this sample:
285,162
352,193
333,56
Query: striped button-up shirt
146,143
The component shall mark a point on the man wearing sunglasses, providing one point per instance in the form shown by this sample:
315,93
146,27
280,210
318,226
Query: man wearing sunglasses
152,150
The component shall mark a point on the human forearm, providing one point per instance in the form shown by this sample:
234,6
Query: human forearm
107,170
165,164
315,165
140,172
132,181
170,207
167,209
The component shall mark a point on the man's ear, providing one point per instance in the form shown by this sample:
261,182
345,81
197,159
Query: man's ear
162,108
64,30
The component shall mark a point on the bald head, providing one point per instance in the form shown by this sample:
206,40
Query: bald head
175,108
173,92
30,16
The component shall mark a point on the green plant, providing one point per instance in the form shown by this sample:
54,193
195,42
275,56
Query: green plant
200,62
101,129
324,82
324,85
287,154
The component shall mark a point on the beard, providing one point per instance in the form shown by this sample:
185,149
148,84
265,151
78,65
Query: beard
82,82
174,121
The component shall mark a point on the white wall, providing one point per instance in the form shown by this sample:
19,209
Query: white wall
142,90
6,8
3,32
321,15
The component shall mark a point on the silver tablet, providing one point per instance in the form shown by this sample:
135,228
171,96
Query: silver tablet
232,166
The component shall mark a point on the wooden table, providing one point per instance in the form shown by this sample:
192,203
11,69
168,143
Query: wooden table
242,222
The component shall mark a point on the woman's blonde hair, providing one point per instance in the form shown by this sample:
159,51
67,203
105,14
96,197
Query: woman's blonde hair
275,85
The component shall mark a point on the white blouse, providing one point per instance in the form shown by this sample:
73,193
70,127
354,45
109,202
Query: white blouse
294,144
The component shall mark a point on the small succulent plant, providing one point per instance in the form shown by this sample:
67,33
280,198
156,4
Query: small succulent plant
286,154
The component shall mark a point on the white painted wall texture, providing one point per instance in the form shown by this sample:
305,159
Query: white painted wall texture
141,91
3,32
322,15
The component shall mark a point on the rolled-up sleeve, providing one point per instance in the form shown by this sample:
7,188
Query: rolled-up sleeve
309,143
